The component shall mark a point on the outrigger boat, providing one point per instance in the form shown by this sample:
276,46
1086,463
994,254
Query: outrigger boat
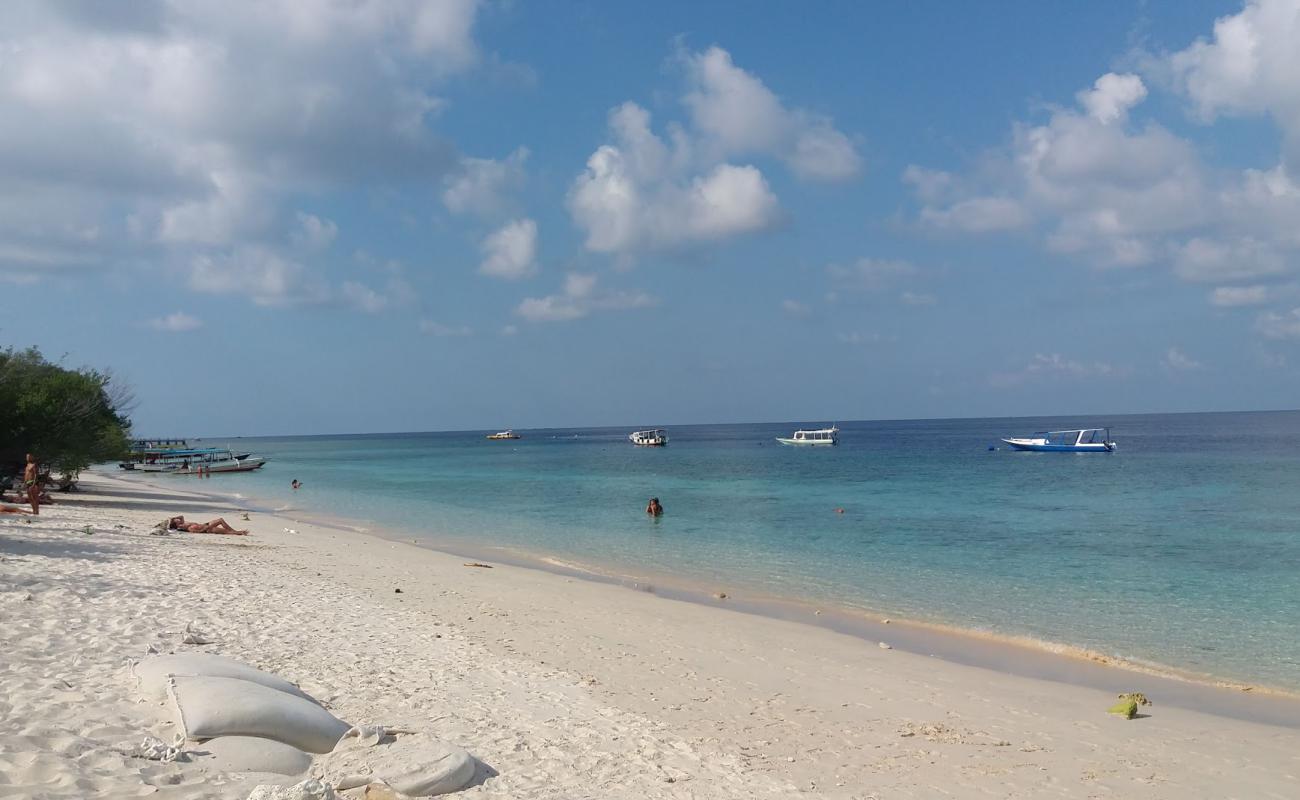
506,434
821,436
656,437
1083,440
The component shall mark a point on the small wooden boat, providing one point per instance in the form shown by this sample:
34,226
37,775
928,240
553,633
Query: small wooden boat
656,437
1082,440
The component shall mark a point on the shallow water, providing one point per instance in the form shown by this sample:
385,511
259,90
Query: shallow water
1181,549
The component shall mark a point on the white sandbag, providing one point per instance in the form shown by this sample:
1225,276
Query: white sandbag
154,672
250,754
207,707
416,765
307,790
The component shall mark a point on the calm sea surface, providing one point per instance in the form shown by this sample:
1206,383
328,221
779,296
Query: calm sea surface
1182,548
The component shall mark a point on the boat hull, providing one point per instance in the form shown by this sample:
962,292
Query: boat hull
807,442
1037,447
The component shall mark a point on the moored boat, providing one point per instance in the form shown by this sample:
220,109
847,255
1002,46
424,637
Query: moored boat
1079,440
655,437
819,437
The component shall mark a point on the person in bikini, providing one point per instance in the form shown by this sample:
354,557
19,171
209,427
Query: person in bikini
217,525
32,483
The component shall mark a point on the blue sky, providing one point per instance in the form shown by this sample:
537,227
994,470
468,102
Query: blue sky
317,217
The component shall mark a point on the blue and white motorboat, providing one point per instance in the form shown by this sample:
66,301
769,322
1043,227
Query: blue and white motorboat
1083,440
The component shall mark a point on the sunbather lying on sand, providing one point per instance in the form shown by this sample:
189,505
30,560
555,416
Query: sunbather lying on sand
217,525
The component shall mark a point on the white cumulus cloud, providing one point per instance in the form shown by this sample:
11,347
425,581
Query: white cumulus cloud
736,114
1176,360
510,252
638,193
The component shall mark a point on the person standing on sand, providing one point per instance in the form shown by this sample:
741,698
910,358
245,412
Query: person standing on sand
31,482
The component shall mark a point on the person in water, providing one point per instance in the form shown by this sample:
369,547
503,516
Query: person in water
217,525
653,508
295,483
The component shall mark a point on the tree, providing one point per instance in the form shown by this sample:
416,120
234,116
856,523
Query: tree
68,418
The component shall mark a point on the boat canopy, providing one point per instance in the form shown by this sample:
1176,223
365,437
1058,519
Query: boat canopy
1076,436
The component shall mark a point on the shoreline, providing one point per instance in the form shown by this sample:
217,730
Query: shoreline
1017,656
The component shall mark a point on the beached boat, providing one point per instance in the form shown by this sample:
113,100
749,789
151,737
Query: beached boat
506,434
821,436
657,437
1082,440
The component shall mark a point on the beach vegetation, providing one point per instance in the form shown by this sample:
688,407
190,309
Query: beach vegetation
68,418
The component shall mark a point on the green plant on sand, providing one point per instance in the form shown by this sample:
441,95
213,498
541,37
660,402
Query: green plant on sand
1128,704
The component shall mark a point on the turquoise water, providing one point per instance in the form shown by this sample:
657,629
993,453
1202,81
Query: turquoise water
1181,549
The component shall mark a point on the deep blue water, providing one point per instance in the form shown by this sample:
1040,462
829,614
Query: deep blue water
1182,548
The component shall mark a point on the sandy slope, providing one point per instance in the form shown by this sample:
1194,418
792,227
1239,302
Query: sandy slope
565,688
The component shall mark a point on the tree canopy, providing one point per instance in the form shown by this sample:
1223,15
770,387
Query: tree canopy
68,418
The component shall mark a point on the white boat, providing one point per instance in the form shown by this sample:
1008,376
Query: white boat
657,437
506,434
1081,440
220,460
820,437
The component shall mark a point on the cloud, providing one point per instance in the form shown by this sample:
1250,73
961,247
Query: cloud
1111,96
1250,66
736,114
579,298
869,274
1053,367
509,330
794,308
178,322
510,252
1232,296
917,299
182,130
483,186
1093,183
434,328
638,194
1176,360
643,192
362,297
261,274
314,233
1272,325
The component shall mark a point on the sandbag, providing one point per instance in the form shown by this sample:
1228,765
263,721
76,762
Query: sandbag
207,707
250,754
153,673
416,765
307,790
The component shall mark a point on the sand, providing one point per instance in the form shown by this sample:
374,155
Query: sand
561,687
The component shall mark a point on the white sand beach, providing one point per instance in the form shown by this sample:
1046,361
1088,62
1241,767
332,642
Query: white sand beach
561,687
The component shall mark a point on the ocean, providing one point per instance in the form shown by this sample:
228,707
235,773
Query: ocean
1180,549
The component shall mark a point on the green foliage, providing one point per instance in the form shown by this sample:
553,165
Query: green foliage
69,419
1128,704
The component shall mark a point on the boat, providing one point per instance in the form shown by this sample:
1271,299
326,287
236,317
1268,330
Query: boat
506,434
820,437
655,437
1080,440
192,460
141,451
218,459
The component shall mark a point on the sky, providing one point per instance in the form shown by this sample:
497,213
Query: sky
309,216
